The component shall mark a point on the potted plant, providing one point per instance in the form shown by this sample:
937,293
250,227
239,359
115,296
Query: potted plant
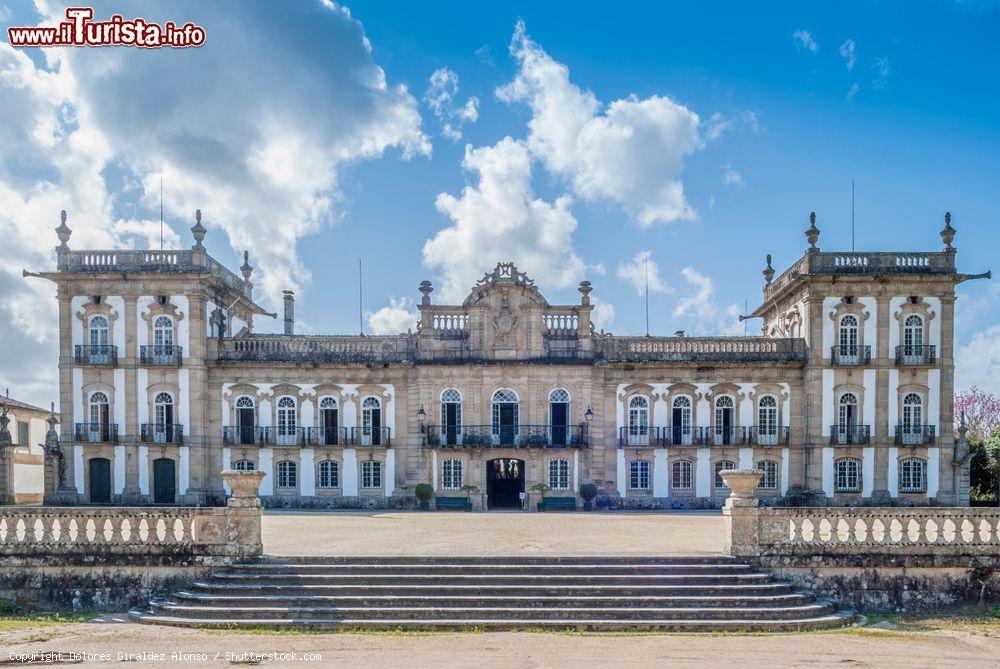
424,492
541,489
588,491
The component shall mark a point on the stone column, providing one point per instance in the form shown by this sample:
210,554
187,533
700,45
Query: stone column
67,493
132,396
883,361
54,464
6,460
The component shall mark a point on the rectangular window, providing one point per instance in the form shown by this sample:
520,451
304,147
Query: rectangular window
328,474
848,476
559,474
639,475
22,432
681,475
451,474
371,474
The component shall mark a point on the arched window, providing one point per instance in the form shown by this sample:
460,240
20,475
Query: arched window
329,422
725,420
246,420
680,475
99,428
913,335
287,474
506,424
559,417
638,475
98,332
847,475
371,421
163,418
720,466
163,336
912,427
287,421
328,474
638,420
371,474
770,469
848,344
913,475
847,419
452,474
681,420
244,465
559,474
451,417
767,420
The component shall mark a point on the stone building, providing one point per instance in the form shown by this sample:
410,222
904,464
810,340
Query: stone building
22,437
846,398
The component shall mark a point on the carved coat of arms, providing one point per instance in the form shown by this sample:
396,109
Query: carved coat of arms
504,321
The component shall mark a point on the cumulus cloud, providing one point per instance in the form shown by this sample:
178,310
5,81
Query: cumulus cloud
630,152
263,167
499,219
398,316
978,362
704,315
603,315
847,52
440,97
640,270
732,177
804,40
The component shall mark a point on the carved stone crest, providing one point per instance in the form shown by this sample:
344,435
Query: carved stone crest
504,321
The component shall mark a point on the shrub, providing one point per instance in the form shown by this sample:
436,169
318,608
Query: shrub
424,492
588,491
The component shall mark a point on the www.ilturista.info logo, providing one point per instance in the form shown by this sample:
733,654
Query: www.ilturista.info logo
80,30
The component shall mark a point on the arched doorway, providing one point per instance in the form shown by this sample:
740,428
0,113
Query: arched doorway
504,483
100,480
164,481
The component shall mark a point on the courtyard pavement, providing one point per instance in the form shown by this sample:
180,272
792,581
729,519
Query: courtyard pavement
356,533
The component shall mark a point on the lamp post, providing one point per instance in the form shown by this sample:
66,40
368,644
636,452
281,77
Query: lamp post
421,418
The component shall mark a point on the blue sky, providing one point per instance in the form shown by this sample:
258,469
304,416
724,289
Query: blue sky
280,129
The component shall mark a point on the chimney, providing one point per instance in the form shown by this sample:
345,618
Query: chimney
289,312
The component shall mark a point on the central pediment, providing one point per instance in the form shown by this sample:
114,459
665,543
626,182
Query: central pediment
501,280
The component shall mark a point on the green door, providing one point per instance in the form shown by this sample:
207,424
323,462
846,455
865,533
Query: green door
100,481
164,481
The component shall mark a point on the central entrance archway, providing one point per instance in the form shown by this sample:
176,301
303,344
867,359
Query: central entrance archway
504,483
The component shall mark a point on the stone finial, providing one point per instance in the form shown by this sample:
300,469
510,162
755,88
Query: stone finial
768,271
5,438
246,269
947,232
63,231
198,230
585,289
963,429
812,234
426,289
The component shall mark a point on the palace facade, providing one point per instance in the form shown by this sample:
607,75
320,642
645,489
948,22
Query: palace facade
845,398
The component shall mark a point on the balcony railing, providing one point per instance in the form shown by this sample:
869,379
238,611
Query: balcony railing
673,435
724,436
915,435
96,433
234,435
96,355
850,434
767,436
504,436
160,355
850,355
156,433
910,354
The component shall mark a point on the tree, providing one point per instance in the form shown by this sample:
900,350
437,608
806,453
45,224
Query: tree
982,412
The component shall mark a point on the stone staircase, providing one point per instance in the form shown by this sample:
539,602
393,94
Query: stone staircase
704,594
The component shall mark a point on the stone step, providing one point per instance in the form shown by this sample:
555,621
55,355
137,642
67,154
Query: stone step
471,590
491,569
827,621
494,600
389,578
418,613
496,559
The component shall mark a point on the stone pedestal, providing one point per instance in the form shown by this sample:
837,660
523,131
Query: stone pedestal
243,512
742,512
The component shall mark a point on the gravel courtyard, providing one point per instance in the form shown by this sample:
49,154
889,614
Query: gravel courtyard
491,533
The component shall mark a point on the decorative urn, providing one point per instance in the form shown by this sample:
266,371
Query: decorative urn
244,486
742,483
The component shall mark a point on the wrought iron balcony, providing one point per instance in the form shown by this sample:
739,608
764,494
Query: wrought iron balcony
850,434
238,435
504,436
915,435
96,433
724,436
844,355
169,356
910,354
767,436
156,433
96,355
235,435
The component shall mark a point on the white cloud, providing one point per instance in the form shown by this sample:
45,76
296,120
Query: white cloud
263,168
440,97
852,91
718,124
500,219
703,314
603,315
732,177
639,271
805,40
630,152
881,67
847,51
398,316
978,362
599,269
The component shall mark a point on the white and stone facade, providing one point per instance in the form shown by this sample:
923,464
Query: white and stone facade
845,399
